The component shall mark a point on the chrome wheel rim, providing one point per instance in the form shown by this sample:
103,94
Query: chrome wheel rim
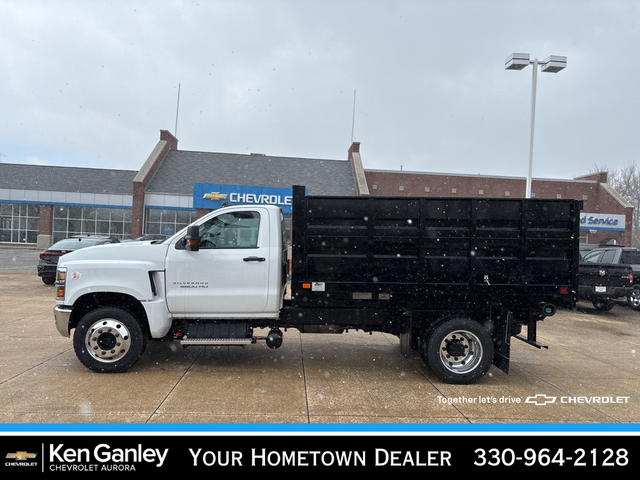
634,298
460,351
108,340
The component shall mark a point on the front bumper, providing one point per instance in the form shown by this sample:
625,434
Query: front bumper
62,316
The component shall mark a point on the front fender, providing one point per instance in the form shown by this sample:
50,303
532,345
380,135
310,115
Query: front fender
124,277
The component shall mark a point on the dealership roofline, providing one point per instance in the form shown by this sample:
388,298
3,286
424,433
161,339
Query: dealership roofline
469,175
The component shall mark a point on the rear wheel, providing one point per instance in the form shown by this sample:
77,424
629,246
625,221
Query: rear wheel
109,340
633,300
603,305
458,351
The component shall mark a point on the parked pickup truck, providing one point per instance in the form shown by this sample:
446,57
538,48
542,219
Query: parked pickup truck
603,284
626,260
454,279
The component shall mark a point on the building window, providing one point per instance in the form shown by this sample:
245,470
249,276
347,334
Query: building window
480,192
584,236
19,222
507,194
559,195
167,221
427,189
401,188
374,187
76,220
454,190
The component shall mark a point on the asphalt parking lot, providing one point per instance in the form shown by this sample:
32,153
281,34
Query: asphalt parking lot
590,374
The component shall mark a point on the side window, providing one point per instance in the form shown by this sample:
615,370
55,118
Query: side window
231,230
592,257
629,256
608,256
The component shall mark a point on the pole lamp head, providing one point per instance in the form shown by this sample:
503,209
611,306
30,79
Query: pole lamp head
553,64
516,61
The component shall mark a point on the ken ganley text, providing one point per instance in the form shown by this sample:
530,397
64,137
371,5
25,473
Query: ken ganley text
103,457
319,458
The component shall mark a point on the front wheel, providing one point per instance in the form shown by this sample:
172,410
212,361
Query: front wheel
458,351
109,340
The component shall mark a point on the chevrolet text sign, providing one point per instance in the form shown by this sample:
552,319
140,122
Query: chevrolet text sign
212,196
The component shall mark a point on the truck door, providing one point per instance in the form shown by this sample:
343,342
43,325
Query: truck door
228,275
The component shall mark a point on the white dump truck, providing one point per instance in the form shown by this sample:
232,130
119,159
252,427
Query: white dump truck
454,278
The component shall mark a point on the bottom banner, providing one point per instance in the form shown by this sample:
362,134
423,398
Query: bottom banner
68,455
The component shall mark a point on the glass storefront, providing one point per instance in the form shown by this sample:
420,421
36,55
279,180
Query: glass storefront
77,220
167,221
19,222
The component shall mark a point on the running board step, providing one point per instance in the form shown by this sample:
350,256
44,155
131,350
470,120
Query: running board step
217,341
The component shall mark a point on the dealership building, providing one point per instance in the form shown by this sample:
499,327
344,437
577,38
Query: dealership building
43,204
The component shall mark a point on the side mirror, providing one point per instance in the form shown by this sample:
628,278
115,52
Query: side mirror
192,239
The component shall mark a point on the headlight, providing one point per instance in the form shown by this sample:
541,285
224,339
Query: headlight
61,282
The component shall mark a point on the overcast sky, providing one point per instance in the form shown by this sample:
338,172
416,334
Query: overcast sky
91,83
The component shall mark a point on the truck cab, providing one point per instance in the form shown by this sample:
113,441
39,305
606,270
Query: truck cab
201,286
233,269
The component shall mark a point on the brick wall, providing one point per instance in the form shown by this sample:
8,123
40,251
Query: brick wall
46,220
167,142
590,189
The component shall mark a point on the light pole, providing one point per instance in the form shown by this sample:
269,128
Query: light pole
552,64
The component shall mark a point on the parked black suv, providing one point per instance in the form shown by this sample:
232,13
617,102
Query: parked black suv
48,262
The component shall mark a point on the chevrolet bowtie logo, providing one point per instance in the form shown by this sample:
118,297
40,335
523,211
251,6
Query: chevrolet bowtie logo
215,196
21,455
540,399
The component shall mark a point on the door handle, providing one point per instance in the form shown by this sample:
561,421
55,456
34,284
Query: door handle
254,259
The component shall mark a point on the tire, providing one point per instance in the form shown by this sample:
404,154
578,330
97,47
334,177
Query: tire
49,280
109,340
603,305
633,300
459,350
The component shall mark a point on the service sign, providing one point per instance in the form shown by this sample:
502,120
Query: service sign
602,221
213,196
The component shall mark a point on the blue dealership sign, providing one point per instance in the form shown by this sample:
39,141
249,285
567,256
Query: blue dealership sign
602,221
213,195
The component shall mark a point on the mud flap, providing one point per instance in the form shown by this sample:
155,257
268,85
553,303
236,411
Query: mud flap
501,334
408,342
